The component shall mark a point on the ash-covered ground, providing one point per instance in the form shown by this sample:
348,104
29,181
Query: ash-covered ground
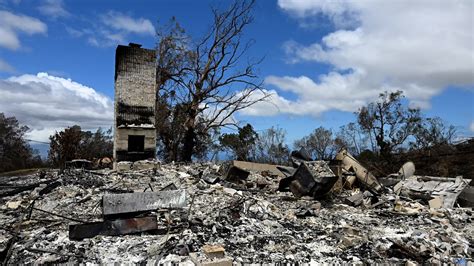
251,220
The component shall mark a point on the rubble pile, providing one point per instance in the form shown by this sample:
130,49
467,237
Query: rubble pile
198,214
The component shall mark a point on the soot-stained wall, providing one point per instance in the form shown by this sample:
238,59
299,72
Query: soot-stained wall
135,97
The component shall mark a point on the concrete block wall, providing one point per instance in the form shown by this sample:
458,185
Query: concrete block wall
121,142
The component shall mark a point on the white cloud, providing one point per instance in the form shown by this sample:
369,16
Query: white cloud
124,23
420,47
13,24
47,103
334,92
53,8
303,8
471,127
114,28
273,104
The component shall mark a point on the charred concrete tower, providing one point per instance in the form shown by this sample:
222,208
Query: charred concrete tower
135,95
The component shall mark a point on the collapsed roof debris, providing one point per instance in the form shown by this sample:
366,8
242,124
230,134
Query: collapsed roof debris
428,187
197,214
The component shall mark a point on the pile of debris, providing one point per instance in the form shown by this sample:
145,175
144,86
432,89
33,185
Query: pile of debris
239,212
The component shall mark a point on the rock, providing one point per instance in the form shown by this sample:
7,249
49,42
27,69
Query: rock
354,200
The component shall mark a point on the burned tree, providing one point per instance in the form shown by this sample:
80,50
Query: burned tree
270,146
388,121
202,84
430,132
320,143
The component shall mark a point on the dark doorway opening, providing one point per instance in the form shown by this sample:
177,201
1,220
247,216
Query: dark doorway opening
136,143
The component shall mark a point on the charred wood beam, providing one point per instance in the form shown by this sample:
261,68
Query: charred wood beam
19,189
112,227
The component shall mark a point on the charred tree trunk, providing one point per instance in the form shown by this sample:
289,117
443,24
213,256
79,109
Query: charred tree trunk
189,140
188,145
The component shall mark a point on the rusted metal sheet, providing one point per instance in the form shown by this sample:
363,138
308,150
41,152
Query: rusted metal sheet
142,201
112,227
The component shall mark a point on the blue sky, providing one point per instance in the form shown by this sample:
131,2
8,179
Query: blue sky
323,59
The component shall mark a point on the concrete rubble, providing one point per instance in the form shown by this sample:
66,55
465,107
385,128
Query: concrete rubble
196,214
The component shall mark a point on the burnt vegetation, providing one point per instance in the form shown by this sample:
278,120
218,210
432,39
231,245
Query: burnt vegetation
202,82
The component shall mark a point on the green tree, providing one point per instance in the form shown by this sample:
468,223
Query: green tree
96,145
241,144
73,143
15,153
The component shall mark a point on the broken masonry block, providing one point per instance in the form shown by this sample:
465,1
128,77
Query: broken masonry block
436,203
261,168
214,251
362,174
286,170
349,181
407,170
208,176
112,227
466,198
300,156
313,179
236,174
145,165
124,166
354,200
114,204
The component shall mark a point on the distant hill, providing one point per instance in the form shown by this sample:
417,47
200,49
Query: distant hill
41,148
